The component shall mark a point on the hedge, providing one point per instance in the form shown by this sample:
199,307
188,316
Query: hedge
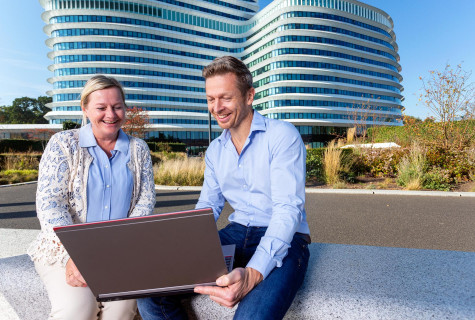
167,146
22,145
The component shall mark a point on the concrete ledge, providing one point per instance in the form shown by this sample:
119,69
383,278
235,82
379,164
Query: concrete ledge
342,282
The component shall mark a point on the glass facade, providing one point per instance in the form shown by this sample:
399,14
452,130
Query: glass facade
319,64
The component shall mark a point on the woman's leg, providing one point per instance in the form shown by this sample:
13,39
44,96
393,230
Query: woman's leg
119,310
66,302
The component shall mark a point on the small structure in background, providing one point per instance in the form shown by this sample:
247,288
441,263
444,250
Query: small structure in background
383,145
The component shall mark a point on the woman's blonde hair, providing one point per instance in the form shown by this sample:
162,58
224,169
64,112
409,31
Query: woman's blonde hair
98,82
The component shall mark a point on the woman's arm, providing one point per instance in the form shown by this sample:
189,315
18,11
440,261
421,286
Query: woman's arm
52,199
146,196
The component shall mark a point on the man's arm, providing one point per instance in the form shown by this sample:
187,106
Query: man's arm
287,176
211,195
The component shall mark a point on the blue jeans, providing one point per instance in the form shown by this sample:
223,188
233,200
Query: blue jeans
269,300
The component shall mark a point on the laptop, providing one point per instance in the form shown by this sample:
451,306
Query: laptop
154,255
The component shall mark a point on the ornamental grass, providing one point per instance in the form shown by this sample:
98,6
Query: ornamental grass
332,163
180,172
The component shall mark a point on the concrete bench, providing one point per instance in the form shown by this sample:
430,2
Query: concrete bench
342,282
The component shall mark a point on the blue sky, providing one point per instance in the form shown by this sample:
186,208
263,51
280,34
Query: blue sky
430,33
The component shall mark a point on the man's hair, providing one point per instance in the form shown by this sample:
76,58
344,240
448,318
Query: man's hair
99,82
228,64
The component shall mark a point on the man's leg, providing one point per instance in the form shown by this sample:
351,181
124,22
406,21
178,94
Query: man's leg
272,297
170,307
237,234
158,308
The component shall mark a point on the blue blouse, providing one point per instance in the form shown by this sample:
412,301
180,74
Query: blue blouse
110,182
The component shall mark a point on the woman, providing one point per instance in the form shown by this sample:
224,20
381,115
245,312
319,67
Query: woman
90,174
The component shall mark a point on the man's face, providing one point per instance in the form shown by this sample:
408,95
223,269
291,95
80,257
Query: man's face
226,102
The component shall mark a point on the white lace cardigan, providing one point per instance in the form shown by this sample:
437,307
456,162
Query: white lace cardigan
61,196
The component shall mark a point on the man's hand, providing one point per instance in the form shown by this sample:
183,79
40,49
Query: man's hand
232,287
73,276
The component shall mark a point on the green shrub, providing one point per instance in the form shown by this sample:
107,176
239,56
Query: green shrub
314,164
16,176
458,163
166,146
428,133
353,165
437,179
382,162
68,125
19,161
399,135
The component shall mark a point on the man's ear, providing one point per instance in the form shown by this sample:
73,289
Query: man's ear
250,96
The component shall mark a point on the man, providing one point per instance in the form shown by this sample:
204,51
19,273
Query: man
258,166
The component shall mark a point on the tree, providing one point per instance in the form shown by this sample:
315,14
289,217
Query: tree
411,120
25,110
136,122
450,96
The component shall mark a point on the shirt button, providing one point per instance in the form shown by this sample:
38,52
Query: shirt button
240,166
108,186
106,166
106,207
244,186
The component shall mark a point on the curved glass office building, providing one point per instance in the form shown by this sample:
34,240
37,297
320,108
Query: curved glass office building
323,65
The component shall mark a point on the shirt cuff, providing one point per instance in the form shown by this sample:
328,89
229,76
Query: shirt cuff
64,260
262,262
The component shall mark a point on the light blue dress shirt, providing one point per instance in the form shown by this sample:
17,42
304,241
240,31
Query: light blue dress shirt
265,185
110,182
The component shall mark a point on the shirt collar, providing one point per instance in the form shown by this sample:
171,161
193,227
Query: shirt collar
87,139
122,143
258,124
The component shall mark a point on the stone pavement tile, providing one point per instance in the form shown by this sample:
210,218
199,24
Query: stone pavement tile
7,311
14,242
22,288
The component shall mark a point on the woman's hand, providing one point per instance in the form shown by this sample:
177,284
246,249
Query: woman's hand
73,276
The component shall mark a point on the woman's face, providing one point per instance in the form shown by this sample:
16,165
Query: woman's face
106,112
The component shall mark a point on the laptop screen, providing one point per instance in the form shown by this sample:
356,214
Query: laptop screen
153,255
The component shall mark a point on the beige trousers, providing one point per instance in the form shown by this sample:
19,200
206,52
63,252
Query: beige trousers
79,303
